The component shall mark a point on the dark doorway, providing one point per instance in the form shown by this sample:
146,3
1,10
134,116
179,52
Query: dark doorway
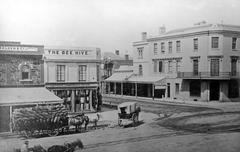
214,90
168,90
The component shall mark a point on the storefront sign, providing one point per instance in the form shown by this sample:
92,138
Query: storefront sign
68,52
17,48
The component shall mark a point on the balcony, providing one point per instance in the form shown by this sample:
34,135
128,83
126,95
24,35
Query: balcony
209,75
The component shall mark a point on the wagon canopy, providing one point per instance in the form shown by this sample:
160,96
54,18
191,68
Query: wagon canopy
128,107
27,96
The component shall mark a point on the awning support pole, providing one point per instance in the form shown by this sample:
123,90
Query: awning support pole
136,90
11,117
121,88
153,89
115,88
73,101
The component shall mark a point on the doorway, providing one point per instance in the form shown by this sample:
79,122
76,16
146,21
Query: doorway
214,90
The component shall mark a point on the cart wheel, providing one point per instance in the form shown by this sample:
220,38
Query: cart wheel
119,122
134,119
53,132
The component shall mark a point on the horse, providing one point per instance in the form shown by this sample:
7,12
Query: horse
76,121
67,147
92,119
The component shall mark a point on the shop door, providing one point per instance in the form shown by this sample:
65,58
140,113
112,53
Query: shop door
4,118
168,90
214,90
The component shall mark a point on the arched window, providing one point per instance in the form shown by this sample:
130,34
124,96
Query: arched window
140,70
25,72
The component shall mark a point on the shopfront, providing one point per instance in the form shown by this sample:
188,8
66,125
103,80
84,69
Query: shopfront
73,75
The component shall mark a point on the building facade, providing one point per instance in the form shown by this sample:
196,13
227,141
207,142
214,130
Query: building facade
198,63
73,74
21,80
21,64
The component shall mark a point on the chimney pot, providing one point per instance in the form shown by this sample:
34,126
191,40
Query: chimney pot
117,52
162,30
144,36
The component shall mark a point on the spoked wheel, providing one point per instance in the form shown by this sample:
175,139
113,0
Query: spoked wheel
52,132
135,119
119,122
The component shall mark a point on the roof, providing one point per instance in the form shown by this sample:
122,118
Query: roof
196,29
125,104
112,56
125,68
24,96
119,76
146,79
130,77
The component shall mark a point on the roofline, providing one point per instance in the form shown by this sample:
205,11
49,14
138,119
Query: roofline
206,32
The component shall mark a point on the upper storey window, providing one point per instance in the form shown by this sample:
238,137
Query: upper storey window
25,72
178,46
140,53
155,48
170,47
162,47
234,43
195,44
82,72
60,73
215,42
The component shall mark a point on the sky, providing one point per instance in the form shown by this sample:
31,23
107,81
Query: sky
108,24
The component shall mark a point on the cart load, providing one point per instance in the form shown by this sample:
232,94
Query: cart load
128,110
40,119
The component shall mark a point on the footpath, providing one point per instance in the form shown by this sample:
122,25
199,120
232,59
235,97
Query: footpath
114,100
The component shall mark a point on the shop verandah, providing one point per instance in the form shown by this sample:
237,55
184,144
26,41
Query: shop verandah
138,86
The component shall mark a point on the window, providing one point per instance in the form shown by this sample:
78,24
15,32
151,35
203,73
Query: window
195,67
170,66
162,47
195,44
25,72
234,66
177,88
178,62
161,66
215,42
60,73
154,66
140,53
82,72
155,48
98,72
178,46
234,43
170,47
214,68
140,70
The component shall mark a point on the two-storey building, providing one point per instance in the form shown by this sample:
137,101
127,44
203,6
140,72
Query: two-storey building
198,63
73,74
21,80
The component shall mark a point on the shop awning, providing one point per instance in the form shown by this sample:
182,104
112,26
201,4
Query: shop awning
27,96
119,77
132,78
148,79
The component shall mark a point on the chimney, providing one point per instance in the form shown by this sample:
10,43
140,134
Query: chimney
117,52
144,36
162,30
126,57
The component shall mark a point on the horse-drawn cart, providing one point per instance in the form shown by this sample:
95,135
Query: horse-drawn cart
49,120
128,111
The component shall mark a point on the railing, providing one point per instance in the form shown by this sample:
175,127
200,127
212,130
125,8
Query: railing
208,75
